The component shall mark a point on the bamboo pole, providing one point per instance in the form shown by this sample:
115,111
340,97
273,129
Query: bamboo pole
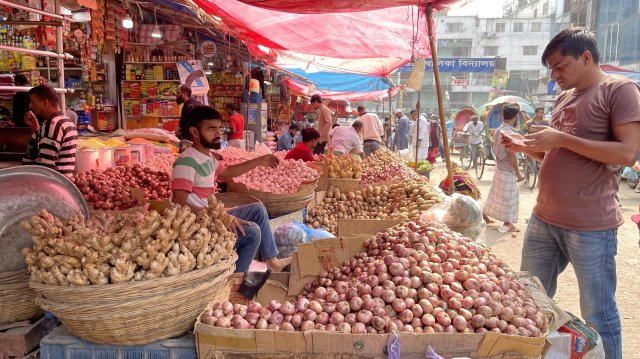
418,130
436,75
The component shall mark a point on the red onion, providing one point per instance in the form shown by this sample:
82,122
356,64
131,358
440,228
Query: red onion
307,325
274,305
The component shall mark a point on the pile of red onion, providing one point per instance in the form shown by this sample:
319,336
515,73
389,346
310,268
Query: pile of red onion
414,278
108,190
388,172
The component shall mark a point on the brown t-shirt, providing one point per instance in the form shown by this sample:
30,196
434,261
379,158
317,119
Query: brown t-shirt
324,122
575,192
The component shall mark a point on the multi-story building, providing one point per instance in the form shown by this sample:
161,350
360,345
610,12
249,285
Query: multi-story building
617,26
515,44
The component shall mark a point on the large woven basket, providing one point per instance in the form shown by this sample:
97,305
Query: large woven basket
136,313
278,204
345,185
16,298
234,199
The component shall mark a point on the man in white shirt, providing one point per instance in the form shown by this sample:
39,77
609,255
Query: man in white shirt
346,139
420,130
475,130
371,130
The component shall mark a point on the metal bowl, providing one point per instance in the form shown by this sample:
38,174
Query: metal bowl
24,190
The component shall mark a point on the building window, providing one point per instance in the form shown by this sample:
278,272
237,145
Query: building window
545,8
501,27
536,27
461,52
535,13
529,50
454,27
611,42
490,50
518,27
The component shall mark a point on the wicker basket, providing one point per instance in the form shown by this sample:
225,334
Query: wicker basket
322,169
278,204
345,185
136,313
16,298
234,199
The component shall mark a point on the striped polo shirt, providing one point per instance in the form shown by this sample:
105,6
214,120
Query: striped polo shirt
196,172
54,145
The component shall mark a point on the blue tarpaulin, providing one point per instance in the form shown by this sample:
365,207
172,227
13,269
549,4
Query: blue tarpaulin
342,82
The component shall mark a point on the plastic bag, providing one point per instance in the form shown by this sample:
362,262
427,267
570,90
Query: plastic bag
460,213
289,235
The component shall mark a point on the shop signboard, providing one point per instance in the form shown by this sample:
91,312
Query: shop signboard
470,64
208,49
191,74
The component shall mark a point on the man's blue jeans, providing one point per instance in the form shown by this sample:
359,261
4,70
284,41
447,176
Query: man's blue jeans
546,252
257,235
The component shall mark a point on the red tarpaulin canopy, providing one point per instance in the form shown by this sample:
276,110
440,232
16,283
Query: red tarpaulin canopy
332,6
355,35
298,89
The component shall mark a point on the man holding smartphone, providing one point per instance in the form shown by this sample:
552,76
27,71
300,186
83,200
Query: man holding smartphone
595,129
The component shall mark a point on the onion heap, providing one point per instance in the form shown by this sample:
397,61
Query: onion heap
388,172
380,158
107,190
404,200
414,278
233,155
342,166
162,162
286,178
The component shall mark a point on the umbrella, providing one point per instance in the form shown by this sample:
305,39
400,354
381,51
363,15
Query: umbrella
525,105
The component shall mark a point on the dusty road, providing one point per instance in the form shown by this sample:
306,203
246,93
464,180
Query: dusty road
509,247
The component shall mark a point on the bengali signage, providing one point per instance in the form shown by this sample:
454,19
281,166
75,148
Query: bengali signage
471,64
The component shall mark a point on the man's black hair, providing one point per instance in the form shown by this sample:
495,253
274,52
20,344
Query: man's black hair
45,92
362,108
335,125
539,108
413,112
573,41
316,98
294,126
232,107
357,124
309,134
20,80
185,88
510,110
196,116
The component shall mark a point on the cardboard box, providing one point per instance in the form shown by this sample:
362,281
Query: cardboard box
218,342
274,288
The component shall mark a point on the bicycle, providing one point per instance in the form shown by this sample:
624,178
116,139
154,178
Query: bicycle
465,152
480,160
531,169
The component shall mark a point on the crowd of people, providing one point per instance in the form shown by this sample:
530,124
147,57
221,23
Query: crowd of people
574,221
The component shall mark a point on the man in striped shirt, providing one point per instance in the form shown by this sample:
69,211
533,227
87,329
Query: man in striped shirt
53,144
194,179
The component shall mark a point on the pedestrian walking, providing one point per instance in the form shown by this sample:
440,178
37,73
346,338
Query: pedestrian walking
402,131
502,202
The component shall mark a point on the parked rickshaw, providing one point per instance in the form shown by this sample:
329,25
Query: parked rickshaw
462,117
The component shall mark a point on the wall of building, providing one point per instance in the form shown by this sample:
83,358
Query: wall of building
618,31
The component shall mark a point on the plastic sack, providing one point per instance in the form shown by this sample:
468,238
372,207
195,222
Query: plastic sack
289,235
460,213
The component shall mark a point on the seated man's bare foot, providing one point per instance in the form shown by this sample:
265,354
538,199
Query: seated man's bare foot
277,265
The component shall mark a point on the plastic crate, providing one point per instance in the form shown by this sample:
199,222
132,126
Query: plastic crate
60,344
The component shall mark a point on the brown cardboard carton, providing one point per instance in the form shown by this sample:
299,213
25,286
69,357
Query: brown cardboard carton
274,288
218,342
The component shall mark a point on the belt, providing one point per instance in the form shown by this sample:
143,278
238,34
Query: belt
370,140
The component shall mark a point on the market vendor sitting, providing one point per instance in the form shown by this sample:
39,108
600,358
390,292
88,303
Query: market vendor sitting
194,179
304,150
286,140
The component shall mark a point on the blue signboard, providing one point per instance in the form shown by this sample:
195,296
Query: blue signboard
471,64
